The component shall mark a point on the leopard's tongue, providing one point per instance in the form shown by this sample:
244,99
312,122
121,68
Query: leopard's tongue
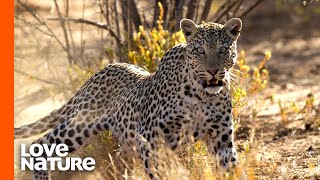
213,81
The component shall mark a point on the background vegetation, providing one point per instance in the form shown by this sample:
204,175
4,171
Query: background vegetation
59,44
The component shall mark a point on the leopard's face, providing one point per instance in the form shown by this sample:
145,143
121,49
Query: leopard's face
211,50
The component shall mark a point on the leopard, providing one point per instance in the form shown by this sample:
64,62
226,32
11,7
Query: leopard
187,99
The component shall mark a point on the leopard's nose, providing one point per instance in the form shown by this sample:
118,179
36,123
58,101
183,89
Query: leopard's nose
213,72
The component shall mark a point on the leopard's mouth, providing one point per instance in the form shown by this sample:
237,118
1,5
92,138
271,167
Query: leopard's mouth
213,85
213,82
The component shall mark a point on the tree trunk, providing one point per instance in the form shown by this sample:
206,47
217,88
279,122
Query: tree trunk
124,15
178,13
206,10
131,10
192,9
116,17
134,14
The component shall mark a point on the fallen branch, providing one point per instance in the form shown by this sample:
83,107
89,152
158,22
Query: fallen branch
93,23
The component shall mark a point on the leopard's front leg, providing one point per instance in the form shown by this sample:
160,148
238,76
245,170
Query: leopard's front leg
220,141
148,154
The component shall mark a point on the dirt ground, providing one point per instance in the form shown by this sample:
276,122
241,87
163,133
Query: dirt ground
285,150
294,73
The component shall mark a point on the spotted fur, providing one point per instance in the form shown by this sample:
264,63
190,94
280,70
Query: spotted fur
187,99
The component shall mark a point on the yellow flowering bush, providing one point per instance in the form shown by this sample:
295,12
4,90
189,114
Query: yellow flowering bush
248,80
150,45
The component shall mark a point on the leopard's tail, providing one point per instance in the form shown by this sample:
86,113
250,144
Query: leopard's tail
40,126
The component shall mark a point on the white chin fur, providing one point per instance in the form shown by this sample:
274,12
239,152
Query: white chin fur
213,90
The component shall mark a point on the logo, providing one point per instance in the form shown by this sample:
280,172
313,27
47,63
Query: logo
48,157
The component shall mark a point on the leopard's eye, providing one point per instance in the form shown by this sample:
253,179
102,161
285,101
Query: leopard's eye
223,50
200,50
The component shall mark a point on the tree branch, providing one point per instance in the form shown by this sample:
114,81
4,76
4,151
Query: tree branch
35,15
228,8
65,33
192,9
237,8
131,8
35,26
178,13
205,12
247,11
89,22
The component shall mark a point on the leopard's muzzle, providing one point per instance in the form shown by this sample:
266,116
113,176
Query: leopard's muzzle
213,85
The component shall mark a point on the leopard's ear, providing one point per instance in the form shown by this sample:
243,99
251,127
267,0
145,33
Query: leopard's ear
233,28
188,28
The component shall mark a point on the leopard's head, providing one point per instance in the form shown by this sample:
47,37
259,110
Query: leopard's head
211,51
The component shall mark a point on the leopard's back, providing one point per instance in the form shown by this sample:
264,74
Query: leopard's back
91,100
